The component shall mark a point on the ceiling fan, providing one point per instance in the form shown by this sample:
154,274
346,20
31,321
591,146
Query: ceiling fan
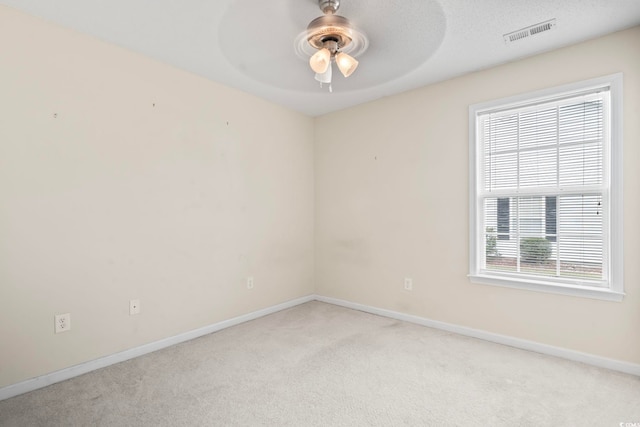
400,36
333,37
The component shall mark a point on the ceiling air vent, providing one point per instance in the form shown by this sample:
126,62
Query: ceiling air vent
529,31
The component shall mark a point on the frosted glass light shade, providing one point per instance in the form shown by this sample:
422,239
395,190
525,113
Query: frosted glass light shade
326,76
320,61
346,64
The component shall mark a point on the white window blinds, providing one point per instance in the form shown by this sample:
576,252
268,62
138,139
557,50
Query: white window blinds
543,189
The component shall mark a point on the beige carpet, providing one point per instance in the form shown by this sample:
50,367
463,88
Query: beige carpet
323,365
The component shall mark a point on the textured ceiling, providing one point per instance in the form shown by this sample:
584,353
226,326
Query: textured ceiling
250,44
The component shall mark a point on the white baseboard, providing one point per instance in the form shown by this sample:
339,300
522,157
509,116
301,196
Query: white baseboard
590,359
92,365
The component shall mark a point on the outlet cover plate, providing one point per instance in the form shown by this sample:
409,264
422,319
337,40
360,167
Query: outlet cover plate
408,284
62,322
134,307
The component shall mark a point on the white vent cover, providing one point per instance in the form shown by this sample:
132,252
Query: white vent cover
529,31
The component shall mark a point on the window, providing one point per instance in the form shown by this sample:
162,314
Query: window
546,190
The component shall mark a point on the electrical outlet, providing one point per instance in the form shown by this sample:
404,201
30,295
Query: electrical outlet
250,282
62,322
408,284
134,307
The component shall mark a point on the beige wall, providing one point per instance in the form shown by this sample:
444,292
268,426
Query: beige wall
392,201
105,197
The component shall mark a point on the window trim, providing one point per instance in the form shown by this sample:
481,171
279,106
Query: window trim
613,168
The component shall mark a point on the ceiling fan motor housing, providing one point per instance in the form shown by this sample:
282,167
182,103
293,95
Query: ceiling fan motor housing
329,28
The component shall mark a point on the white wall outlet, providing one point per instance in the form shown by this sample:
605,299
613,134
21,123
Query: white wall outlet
250,282
62,322
134,307
408,284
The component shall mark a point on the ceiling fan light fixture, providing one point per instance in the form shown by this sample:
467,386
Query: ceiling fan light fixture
346,63
325,77
320,60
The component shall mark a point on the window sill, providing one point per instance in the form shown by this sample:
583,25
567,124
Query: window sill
576,291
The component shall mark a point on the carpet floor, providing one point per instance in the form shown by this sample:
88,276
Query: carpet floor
322,365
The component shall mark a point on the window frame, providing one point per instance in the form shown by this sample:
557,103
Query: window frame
613,170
